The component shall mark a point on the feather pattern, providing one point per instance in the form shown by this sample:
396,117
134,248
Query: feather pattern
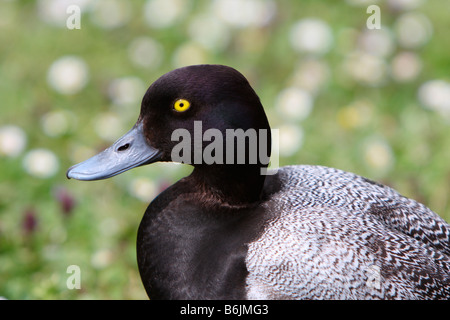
342,236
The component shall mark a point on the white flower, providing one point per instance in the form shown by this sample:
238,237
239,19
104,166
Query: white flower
110,14
311,35
102,258
245,13
57,123
188,54
406,66
68,75
54,12
294,103
290,139
41,163
12,141
413,30
146,52
108,126
164,13
209,32
378,154
126,91
311,75
365,68
435,95
378,42
143,189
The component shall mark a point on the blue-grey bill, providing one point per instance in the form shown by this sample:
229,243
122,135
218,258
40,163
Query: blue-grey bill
130,151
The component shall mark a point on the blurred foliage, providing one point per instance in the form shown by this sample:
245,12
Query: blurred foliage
48,223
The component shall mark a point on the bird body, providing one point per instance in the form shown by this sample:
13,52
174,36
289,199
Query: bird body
319,233
227,231
345,237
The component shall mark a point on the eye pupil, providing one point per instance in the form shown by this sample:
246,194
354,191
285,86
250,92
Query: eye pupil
181,105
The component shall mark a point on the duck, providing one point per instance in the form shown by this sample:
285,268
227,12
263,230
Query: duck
233,229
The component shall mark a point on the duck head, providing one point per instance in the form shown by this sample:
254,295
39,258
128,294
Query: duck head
187,114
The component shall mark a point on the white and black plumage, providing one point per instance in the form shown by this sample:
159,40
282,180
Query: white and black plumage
346,237
228,232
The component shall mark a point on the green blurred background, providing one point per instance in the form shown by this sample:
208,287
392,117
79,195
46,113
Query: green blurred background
372,101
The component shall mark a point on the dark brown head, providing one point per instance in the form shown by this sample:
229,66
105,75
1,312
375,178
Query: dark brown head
205,115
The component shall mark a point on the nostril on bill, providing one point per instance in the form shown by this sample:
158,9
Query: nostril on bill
124,147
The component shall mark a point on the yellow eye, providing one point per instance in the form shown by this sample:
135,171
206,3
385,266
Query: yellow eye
181,105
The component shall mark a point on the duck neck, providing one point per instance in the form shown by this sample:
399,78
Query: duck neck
234,185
